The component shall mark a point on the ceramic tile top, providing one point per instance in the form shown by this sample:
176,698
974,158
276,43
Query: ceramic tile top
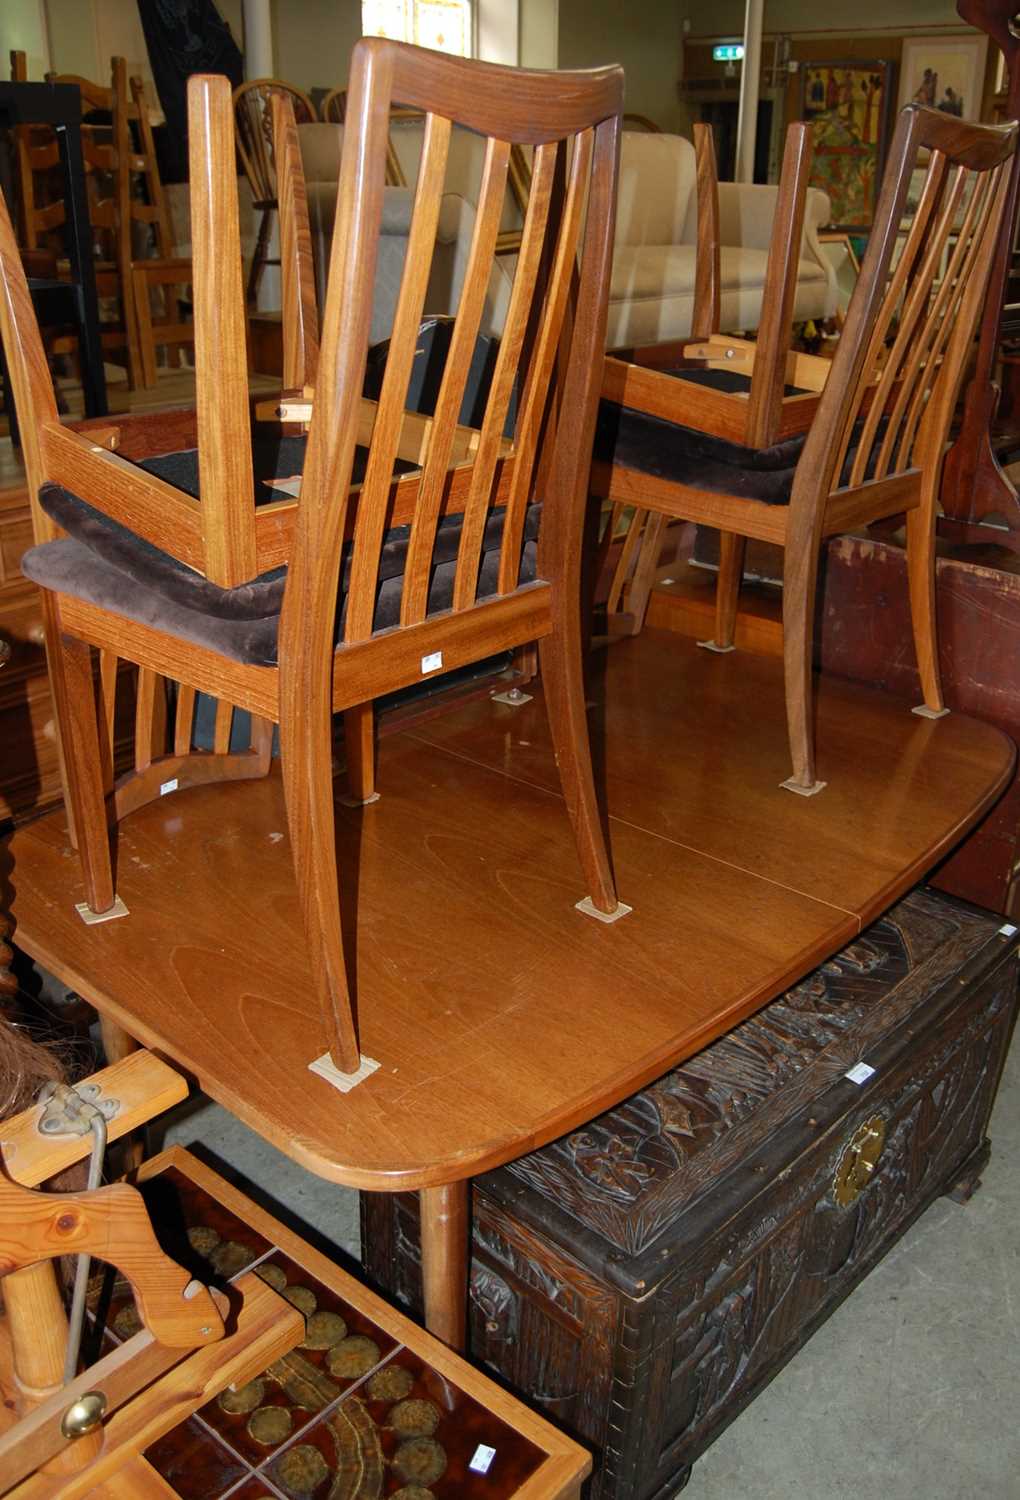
348,1414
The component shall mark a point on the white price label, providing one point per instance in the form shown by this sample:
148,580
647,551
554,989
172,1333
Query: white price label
432,663
482,1459
1007,929
168,786
860,1073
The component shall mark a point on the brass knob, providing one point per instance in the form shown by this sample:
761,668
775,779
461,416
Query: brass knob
5,651
84,1416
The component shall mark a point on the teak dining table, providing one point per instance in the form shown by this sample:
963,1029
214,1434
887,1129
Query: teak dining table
500,1016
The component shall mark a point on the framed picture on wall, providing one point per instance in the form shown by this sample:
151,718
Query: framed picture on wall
847,106
945,72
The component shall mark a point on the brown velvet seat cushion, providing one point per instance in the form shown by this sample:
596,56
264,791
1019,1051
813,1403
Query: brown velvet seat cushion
668,450
102,562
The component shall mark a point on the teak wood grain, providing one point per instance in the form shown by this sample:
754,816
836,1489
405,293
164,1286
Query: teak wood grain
876,441
738,890
563,265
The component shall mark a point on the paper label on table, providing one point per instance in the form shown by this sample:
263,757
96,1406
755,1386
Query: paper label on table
432,662
1007,929
168,786
860,1073
343,1081
482,1459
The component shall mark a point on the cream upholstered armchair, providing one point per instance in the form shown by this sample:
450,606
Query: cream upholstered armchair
321,145
651,297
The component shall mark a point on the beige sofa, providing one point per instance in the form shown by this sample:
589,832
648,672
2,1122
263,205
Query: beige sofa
652,292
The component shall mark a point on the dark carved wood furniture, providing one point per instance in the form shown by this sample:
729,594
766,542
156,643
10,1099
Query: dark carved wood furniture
316,1378
875,446
643,1278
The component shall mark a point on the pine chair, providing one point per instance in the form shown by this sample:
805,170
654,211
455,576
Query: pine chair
469,565
253,121
876,442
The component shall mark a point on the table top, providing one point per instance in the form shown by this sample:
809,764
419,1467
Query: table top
500,1016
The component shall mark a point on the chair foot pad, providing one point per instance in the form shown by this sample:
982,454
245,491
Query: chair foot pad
327,1069
588,907
924,712
359,801
719,650
84,910
802,791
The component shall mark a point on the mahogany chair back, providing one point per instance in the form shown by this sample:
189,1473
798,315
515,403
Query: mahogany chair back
416,545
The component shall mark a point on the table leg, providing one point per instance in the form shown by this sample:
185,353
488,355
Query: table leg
445,1238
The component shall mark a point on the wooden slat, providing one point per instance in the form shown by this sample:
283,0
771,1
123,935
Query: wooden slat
451,393
300,317
707,275
221,360
371,523
504,374
547,346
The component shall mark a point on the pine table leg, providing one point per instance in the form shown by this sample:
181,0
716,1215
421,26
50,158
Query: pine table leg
445,1259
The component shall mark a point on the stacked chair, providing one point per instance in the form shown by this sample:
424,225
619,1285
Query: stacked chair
417,545
790,450
126,207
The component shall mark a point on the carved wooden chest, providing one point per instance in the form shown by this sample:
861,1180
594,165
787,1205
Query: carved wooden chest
641,1279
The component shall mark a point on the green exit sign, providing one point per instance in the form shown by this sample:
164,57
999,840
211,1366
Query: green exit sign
729,52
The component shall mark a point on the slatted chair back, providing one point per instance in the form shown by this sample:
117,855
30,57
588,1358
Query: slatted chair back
896,375
254,125
500,472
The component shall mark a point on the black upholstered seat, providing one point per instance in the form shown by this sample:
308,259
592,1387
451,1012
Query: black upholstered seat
668,450
104,563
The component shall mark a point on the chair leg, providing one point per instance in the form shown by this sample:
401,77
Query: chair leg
799,583
70,662
563,681
640,590
143,321
727,595
307,762
359,747
921,580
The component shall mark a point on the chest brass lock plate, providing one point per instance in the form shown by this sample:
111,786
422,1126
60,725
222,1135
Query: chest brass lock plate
857,1164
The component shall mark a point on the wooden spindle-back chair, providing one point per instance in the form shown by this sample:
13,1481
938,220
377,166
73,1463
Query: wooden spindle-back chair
254,126
876,442
366,607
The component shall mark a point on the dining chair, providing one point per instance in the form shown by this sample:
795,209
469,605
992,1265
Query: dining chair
750,392
253,122
876,442
366,583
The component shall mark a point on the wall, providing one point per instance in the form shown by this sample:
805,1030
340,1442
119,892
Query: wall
539,32
23,29
726,17
312,40
603,31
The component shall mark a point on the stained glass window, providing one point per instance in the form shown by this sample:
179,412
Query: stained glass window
445,25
